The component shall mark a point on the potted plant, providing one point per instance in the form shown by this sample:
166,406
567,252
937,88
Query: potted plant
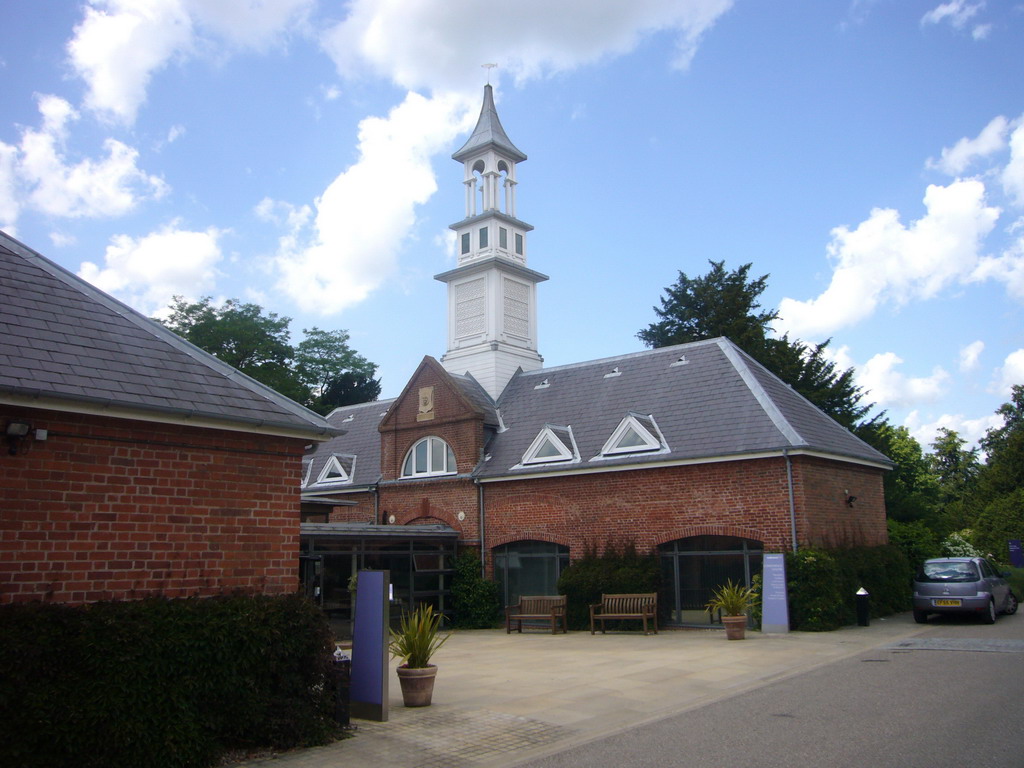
734,600
414,642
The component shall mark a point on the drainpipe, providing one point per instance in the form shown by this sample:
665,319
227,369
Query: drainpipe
792,505
480,502
376,504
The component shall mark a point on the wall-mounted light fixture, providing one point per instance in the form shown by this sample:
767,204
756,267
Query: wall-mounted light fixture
849,499
15,434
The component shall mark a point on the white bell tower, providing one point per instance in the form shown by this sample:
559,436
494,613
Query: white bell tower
492,295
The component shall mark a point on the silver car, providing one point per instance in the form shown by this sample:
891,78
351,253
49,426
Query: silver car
962,585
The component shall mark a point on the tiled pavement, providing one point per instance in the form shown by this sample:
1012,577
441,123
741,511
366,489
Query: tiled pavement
504,699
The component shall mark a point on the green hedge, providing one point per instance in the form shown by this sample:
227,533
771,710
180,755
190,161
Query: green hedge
475,600
613,572
823,585
161,682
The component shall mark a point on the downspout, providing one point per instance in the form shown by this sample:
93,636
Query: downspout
480,502
792,505
376,504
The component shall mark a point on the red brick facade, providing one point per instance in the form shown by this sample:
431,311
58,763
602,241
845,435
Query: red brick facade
119,509
748,498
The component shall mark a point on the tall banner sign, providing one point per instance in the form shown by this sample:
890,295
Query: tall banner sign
1016,556
774,605
370,635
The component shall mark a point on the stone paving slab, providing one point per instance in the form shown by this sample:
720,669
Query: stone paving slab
506,699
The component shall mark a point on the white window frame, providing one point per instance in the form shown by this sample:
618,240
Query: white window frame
564,443
653,440
449,465
337,461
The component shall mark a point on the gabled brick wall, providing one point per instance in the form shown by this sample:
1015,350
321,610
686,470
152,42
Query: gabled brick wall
120,509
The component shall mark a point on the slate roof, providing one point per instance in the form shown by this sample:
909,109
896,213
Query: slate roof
488,131
66,344
708,399
360,439
478,396
703,401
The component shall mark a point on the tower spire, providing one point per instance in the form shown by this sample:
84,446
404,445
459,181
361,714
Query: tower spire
492,315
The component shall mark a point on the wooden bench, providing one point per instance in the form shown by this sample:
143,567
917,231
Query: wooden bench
622,607
550,608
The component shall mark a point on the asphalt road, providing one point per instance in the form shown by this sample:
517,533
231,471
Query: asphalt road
952,696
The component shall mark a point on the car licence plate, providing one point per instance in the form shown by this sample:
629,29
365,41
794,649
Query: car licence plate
946,603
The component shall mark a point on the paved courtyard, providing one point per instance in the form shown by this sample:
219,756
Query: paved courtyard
505,699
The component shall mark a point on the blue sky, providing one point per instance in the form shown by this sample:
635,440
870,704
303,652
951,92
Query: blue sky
868,155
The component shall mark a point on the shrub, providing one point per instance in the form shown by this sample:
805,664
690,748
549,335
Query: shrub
815,597
612,572
959,544
161,682
823,585
476,600
916,540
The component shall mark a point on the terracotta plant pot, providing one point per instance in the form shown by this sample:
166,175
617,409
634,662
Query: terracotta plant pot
417,685
735,627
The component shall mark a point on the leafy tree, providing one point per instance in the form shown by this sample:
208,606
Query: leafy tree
911,489
243,337
727,303
322,372
347,389
956,471
335,373
1004,470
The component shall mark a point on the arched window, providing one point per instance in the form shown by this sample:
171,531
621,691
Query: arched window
430,456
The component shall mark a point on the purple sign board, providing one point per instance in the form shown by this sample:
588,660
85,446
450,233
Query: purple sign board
369,683
774,606
1016,556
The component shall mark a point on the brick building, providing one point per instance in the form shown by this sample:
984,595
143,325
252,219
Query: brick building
133,463
695,452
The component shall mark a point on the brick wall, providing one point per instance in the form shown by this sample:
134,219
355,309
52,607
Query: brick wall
749,499
112,509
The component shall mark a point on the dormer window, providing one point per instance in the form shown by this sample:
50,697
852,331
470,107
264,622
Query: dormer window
635,434
553,444
337,469
429,457
307,467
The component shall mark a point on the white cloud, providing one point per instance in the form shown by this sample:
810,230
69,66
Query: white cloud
969,355
361,218
146,272
1007,268
37,174
120,44
425,44
956,12
882,260
981,32
61,240
956,159
1013,174
971,430
9,204
1011,372
886,386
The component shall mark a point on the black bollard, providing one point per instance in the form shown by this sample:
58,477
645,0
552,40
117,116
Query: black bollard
863,608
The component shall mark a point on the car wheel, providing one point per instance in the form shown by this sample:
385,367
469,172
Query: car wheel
989,616
1010,606
921,617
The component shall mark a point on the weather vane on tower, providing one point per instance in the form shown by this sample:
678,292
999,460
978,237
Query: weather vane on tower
488,67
